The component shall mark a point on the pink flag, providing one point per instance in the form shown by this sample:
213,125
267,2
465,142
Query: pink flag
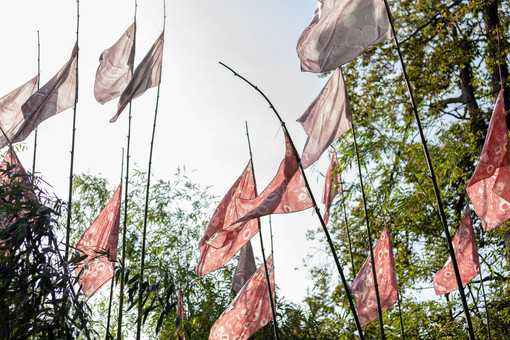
11,116
180,316
326,119
332,188
245,267
363,286
102,235
489,188
11,169
220,242
339,31
146,75
250,310
466,254
286,193
55,96
115,67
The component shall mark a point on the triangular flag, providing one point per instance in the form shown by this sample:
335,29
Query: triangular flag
332,186
180,316
220,242
327,118
245,267
115,67
489,188
250,310
146,75
102,235
339,31
11,169
55,96
466,254
363,286
11,116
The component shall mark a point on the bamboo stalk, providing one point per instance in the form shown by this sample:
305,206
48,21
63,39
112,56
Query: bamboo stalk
38,86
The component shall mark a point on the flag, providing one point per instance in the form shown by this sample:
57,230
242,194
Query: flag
327,118
146,75
180,315
332,186
245,267
250,310
339,31
102,235
11,116
221,241
466,254
11,169
115,67
363,286
55,96
489,188
286,193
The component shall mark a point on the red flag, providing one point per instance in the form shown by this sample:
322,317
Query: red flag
11,169
250,310
220,242
115,67
102,235
180,315
466,254
146,75
245,267
339,31
332,187
489,188
11,116
326,119
363,286
55,96
286,193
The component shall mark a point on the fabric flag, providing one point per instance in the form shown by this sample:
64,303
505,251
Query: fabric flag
180,316
332,187
115,67
286,193
245,267
55,96
489,188
11,116
250,310
363,286
146,75
220,242
339,31
466,254
327,118
102,235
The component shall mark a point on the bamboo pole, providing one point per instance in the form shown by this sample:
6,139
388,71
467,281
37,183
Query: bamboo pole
273,308
38,86
434,182
317,211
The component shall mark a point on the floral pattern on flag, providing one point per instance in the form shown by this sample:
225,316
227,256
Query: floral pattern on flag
332,186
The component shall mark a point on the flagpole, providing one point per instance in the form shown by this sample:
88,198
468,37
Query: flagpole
317,211
369,235
273,308
38,85
271,232
400,316
485,298
142,264
434,181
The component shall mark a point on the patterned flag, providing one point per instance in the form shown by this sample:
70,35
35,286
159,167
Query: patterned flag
339,31
55,96
180,316
11,169
102,235
332,187
250,310
146,75
115,67
466,254
363,286
245,267
326,119
286,193
221,241
489,188
11,116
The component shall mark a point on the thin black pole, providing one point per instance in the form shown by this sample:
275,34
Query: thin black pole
317,211
38,85
399,296
271,232
484,296
434,182
369,235
273,309
347,229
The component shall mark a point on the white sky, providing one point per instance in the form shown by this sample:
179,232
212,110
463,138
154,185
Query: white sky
202,107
